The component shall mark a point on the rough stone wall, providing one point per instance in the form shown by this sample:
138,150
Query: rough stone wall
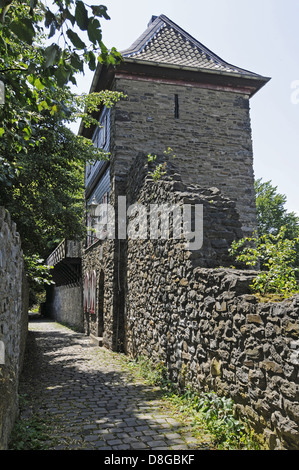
211,138
206,327
221,222
213,335
65,305
13,322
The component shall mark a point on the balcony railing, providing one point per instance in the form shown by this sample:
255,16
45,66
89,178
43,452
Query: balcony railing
66,259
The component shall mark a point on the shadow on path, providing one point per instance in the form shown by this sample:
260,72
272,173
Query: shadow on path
91,399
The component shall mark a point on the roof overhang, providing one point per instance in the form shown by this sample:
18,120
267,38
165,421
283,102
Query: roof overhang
136,69
251,83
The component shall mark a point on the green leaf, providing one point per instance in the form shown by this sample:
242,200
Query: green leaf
91,61
77,42
42,105
69,16
1,131
27,132
62,75
38,84
76,62
24,30
52,30
103,58
81,16
93,31
52,55
49,18
118,58
53,110
101,11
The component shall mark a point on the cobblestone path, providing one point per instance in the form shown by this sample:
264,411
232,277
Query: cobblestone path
91,398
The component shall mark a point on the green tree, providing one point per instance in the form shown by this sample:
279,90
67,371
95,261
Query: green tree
69,23
41,160
274,250
33,71
272,214
271,211
45,194
275,257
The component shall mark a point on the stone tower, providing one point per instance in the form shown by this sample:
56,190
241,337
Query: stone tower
179,94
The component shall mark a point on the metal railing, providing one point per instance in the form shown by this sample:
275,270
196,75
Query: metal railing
58,254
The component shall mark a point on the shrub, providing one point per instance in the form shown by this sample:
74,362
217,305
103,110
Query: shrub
275,256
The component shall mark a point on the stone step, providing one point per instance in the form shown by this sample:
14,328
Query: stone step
97,340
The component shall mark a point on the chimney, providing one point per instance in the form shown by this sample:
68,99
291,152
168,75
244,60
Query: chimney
153,18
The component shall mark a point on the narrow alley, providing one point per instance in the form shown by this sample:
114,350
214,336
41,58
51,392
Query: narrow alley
91,399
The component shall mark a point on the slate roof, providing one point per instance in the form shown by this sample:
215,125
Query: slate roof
164,42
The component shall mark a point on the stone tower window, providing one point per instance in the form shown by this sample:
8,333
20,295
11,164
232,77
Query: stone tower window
176,106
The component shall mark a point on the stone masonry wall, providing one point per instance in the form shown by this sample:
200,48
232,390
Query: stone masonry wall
207,328
211,138
65,305
212,335
221,222
13,322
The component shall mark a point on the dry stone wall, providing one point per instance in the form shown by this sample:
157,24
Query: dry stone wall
213,335
13,322
191,310
205,325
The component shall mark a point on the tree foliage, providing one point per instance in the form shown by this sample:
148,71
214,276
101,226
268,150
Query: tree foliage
274,255
272,214
42,48
274,249
73,24
271,211
45,193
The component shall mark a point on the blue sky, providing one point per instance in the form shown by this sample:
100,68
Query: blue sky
258,35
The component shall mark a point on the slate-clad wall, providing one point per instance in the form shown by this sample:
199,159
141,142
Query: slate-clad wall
92,170
13,322
211,138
